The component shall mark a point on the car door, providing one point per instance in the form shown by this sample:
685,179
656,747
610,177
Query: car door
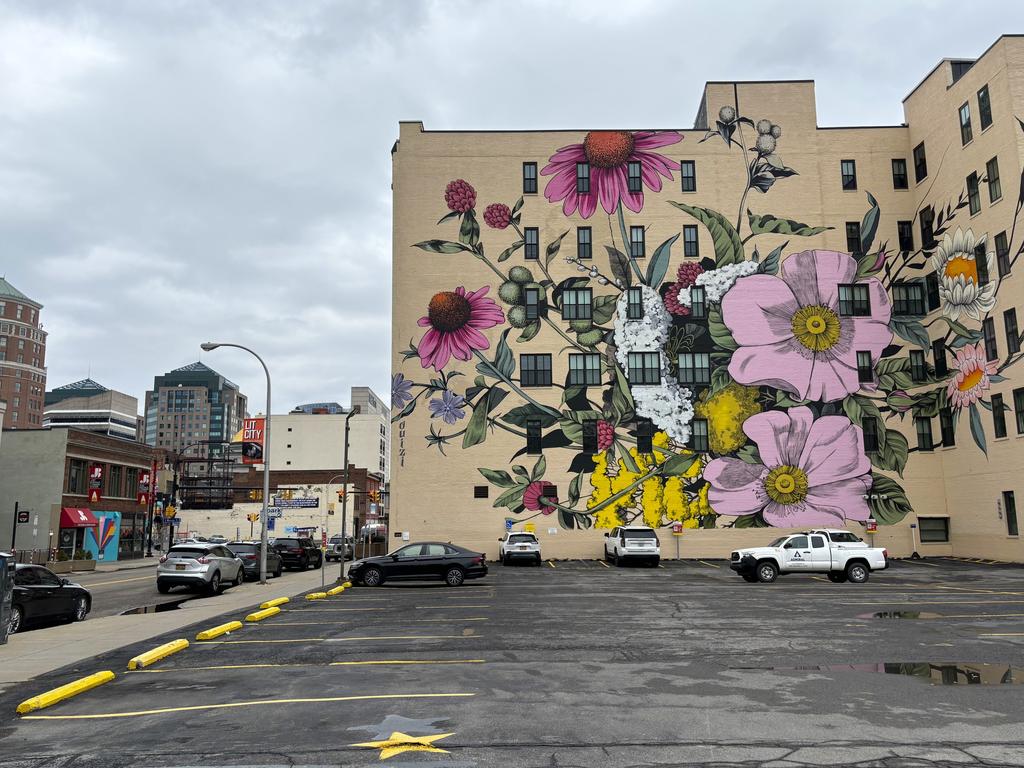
821,555
403,562
796,554
43,588
232,564
28,594
433,560
609,542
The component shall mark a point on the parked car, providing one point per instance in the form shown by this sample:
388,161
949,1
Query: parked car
422,560
218,539
632,542
822,551
249,553
300,553
518,546
339,547
41,595
203,565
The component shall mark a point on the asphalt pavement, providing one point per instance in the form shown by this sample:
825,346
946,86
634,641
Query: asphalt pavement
574,664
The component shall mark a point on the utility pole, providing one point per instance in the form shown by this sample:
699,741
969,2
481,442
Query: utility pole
344,499
14,531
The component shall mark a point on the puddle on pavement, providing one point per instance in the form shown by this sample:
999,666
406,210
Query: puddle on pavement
936,673
172,605
900,615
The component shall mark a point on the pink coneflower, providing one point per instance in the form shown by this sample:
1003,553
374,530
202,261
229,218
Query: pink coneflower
972,372
537,490
609,154
455,319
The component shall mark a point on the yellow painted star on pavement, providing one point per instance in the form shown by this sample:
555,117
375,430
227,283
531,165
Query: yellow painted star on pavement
399,742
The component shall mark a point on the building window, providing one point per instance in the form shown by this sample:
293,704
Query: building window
1012,334
899,173
637,249
688,174
583,243
699,436
691,248
918,369
531,243
698,301
973,195
644,368
854,300
933,530
535,370
988,329
76,472
931,286
529,178
908,299
635,180
848,170
590,436
924,433
1010,510
481,491
585,369
905,231
984,108
583,178
865,371
1002,254
1018,407
853,237
644,436
533,436
995,189
998,416
946,427
920,163
634,304
869,426
577,303
927,224
966,134
695,368
532,298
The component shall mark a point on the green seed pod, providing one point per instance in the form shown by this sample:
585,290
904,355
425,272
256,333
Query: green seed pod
581,326
517,317
590,338
520,275
510,292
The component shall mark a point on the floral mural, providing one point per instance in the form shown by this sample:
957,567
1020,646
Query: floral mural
739,390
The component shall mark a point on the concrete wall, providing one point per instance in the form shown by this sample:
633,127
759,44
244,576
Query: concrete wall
301,441
32,474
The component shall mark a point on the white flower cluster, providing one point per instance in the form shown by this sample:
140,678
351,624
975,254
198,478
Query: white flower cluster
668,405
717,282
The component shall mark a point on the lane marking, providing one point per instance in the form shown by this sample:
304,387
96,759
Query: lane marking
436,605
1002,634
257,703
981,591
921,562
551,563
709,564
119,581
386,662
602,562
454,620
339,639
929,602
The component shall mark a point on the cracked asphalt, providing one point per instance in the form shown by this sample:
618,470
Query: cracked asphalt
575,664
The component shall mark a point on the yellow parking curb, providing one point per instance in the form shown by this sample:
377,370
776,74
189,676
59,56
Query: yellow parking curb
48,699
160,652
275,602
222,629
347,584
316,595
266,613
336,590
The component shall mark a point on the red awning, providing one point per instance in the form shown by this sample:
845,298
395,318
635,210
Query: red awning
74,517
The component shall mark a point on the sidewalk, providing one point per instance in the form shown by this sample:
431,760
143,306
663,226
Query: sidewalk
124,565
33,653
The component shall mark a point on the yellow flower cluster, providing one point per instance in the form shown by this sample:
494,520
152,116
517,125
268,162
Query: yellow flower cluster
725,411
687,508
605,487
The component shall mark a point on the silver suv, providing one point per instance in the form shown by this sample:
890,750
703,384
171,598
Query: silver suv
205,566
338,547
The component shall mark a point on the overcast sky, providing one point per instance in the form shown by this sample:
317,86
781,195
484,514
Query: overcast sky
176,171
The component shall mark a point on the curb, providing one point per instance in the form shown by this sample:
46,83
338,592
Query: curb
316,595
266,613
220,629
275,602
160,652
48,699
336,590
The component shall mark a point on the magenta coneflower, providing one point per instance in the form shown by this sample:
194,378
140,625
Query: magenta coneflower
609,154
455,319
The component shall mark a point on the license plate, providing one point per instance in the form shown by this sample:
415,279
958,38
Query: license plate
179,567
523,547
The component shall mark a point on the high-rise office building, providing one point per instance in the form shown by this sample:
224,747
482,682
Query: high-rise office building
92,407
22,359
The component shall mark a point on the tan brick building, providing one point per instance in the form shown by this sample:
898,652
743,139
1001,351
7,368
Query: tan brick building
755,322
22,359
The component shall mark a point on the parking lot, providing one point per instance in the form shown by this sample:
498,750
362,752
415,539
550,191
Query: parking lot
575,663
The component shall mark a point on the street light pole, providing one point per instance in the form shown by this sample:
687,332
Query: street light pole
208,347
344,499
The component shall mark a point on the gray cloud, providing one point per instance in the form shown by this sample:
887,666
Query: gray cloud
172,172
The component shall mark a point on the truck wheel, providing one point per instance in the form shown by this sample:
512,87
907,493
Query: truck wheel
767,572
857,573
749,578
836,577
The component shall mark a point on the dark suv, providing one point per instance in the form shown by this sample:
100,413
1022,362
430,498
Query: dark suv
300,553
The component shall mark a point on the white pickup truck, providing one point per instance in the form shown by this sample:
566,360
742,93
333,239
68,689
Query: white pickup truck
839,554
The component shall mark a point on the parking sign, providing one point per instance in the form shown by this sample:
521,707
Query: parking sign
508,523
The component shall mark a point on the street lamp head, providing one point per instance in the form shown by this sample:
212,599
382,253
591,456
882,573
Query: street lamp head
208,346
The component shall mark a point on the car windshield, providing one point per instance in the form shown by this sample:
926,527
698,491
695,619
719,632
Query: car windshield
288,542
642,533
191,552
237,548
844,538
778,542
522,538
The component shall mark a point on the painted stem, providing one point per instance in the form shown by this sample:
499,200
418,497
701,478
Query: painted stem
614,497
563,334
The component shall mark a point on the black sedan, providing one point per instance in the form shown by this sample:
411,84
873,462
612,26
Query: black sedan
41,595
424,560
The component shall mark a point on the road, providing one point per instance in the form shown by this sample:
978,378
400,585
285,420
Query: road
575,664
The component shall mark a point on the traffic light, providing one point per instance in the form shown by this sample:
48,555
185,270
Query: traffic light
341,494
374,497
253,517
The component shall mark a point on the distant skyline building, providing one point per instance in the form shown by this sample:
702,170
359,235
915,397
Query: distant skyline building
319,408
90,406
190,405
22,359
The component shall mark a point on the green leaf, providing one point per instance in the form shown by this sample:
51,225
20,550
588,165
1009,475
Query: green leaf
750,521
523,413
572,423
728,247
977,430
720,333
770,264
511,498
928,404
520,470
604,308
622,398
869,225
469,232
498,477
530,331
626,244
678,465
574,489
659,262
619,265
448,217
590,338
510,250
892,451
441,246
539,468
911,330
894,506
749,454
504,364
566,519
517,206
552,249
720,379
476,430
627,459
761,224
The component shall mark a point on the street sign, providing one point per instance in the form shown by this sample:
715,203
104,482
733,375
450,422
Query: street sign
508,523
530,528
872,525
94,495
290,529
323,539
273,513
270,523
677,529
23,515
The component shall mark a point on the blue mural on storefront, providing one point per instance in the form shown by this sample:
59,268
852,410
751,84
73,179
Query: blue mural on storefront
102,541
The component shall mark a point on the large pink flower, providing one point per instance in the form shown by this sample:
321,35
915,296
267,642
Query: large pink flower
812,473
455,319
972,375
791,334
535,492
609,154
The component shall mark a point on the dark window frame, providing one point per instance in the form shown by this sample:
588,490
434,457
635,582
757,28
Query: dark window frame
584,243
644,435
848,174
700,441
973,193
529,179
698,302
931,289
865,370
920,163
908,299
853,237
581,372
998,415
923,427
900,180
533,372
481,491
1012,331
988,332
946,427
688,175
534,437
637,247
995,186
644,368
1010,513
939,361
531,297
869,430
634,177
918,366
964,118
854,300
589,438
1002,254
927,222
1018,409
691,241
531,243
634,304
984,107
933,530
694,368
578,304
905,235
583,178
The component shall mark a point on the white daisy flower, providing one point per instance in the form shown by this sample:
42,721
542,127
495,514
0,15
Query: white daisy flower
956,264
